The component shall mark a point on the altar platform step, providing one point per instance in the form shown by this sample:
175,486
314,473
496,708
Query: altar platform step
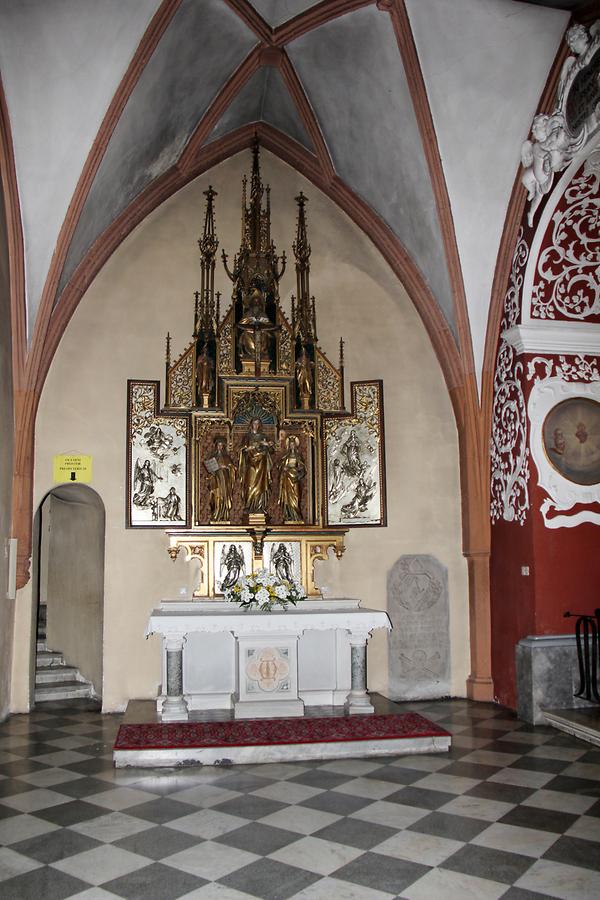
142,741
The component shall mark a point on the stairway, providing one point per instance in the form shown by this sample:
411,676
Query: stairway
54,679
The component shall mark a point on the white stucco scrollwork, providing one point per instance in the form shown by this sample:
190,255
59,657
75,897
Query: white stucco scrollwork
567,281
509,450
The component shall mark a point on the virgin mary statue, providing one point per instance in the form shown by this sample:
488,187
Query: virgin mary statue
256,468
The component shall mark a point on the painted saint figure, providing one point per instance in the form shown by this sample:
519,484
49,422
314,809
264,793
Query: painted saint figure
256,468
233,563
144,478
168,507
282,563
291,472
221,470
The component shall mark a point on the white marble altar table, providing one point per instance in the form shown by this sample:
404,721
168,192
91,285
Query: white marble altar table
217,656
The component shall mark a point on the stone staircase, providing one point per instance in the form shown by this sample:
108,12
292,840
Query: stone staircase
54,679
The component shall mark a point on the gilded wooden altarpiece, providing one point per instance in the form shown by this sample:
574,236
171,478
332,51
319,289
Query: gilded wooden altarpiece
268,467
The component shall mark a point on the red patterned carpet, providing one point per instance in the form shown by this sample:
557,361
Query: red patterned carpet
253,732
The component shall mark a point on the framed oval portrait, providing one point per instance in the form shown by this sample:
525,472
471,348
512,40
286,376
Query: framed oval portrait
571,439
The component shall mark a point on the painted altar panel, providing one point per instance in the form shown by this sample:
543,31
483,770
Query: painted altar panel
354,460
157,465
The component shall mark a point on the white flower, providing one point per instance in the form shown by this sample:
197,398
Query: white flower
246,595
281,591
262,595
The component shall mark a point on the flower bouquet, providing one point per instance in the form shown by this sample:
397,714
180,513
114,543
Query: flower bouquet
263,591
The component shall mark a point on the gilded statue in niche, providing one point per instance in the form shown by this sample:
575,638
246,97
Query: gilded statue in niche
304,377
291,472
204,376
222,471
256,468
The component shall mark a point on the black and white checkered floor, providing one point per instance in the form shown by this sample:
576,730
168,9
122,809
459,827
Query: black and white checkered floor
512,812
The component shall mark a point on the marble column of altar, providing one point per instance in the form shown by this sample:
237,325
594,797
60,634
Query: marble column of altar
174,708
358,702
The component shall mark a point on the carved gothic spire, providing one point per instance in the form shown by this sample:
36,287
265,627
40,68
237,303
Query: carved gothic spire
303,313
204,312
257,260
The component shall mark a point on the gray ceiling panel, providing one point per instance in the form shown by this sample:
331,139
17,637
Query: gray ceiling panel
353,74
280,110
276,12
264,98
200,49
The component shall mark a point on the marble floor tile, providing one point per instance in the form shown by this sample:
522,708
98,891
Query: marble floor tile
566,882
13,863
522,778
210,860
394,815
444,885
111,827
476,808
588,828
452,784
21,827
270,880
204,795
303,820
285,792
100,864
555,800
514,839
369,788
120,798
422,848
316,855
34,800
384,873
258,838
334,889
155,882
207,823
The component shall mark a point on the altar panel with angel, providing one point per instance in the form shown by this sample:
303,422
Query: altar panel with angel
157,476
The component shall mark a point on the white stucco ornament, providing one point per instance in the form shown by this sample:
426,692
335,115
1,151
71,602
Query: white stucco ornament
555,139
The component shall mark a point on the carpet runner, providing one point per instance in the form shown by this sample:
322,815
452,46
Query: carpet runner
263,732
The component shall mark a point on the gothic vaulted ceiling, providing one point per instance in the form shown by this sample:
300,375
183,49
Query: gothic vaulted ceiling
329,76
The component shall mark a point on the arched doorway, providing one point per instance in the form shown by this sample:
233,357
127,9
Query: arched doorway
69,581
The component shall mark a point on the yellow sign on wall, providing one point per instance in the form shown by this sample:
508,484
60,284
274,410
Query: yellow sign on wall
72,467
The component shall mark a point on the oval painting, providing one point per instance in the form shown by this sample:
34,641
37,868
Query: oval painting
571,436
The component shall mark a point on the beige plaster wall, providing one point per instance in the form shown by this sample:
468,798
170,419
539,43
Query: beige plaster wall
118,332
7,607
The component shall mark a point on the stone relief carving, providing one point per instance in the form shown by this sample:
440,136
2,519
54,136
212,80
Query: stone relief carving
419,645
509,450
556,138
566,281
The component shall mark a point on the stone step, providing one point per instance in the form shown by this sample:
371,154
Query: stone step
69,690
46,658
57,674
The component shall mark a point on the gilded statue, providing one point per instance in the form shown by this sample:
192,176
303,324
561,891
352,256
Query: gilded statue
256,468
304,376
221,469
291,472
204,375
255,327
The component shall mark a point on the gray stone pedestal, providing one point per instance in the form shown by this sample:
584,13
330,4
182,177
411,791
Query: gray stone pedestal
547,676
